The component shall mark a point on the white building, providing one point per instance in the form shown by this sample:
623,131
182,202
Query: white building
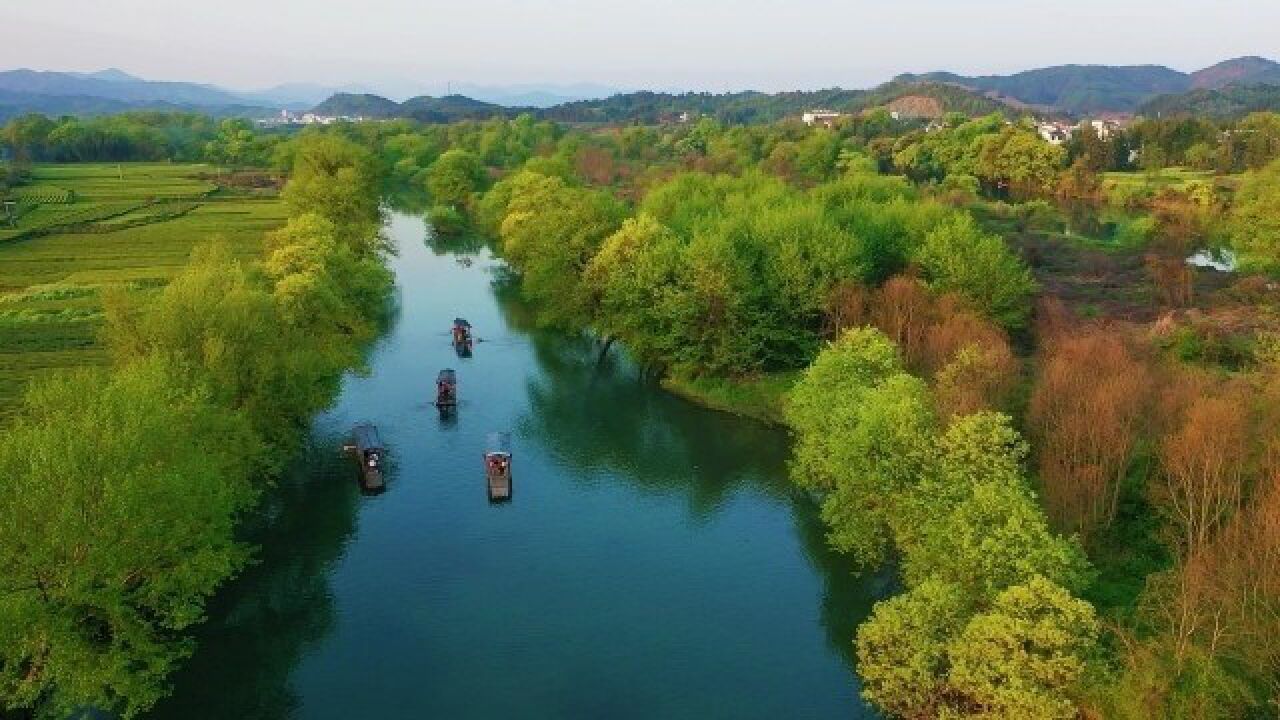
1104,128
1054,133
826,118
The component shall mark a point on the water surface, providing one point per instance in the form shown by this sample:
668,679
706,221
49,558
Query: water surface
653,563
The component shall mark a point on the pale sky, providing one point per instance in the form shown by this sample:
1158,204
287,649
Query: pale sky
690,44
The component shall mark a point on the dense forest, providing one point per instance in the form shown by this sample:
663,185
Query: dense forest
1081,501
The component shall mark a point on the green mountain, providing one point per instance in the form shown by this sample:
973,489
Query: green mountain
1084,89
451,108
1079,89
1250,70
1227,103
923,99
358,105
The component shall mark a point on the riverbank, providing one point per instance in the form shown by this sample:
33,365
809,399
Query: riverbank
759,398
215,369
635,516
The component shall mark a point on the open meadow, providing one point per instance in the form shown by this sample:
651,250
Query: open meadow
75,229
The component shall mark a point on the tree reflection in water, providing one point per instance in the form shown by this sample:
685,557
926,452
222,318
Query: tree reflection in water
604,418
260,625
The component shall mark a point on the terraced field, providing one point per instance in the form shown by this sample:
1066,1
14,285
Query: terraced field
132,225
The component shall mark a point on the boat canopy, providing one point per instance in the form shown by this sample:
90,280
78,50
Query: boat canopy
448,376
460,322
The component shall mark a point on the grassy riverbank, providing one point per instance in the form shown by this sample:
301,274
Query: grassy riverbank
759,397
84,227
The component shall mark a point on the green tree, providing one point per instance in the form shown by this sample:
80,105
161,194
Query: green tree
958,257
119,493
549,235
864,439
1254,220
902,649
454,176
1018,159
636,282
1026,656
336,179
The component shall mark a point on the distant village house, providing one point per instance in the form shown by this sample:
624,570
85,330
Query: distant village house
825,118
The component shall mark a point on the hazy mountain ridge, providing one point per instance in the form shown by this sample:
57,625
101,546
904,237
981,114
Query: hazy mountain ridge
1226,103
1226,88
652,107
1084,89
1248,70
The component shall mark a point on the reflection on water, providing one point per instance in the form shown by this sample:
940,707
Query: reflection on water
263,623
654,561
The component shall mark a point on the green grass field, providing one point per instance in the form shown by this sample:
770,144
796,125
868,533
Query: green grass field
133,225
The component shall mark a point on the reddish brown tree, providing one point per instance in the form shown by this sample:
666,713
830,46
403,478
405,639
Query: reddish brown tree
1203,468
1085,415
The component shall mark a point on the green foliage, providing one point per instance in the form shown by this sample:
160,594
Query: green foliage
447,220
120,490
335,178
453,177
951,150
864,437
902,649
134,136
958,257
996,537
926,654
549,234
988,626
1255,220
237,144
1018,159
1025,657
119,497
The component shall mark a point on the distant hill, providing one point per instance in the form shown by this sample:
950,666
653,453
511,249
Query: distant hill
116,85
1226,89
13,104
113,91
451,108
1075,88
912,99
358,105
1227,103
1251,70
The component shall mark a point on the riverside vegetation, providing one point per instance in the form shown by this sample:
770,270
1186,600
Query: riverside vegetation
124,485
1078,488
1036,457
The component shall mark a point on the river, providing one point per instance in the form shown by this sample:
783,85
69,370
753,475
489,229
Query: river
653,563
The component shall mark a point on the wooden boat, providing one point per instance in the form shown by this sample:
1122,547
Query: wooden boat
447,389
497,467
462,337
369,453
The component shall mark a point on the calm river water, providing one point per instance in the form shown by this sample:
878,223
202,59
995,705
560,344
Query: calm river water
652,564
